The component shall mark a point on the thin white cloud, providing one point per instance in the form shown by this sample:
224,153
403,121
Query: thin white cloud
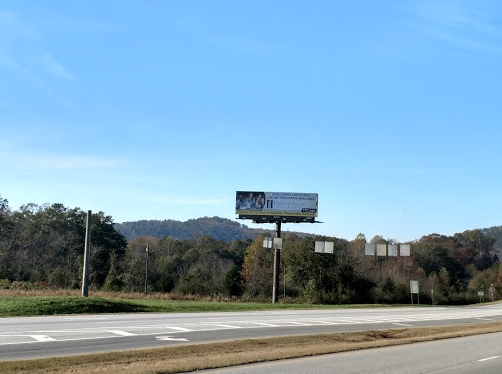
18,40
45,162
130,194
239,44
187,201
54,67
468,24
143,127
11,24
466,42
37,82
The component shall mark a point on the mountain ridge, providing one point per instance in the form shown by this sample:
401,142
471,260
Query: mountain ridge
223,229
216,227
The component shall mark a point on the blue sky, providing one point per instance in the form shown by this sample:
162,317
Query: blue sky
389,110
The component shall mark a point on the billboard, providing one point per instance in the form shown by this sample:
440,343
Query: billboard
404,249
324,247
381,249
392,250
369,249
263,206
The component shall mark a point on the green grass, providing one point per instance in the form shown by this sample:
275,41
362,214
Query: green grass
52,305
49,305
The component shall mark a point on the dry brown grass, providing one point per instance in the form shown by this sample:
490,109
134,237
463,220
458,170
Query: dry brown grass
193,357
21,292
118,295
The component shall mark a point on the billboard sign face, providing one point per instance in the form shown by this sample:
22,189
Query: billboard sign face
270,206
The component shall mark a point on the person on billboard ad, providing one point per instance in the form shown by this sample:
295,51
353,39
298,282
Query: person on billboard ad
249,200
239,203
260,202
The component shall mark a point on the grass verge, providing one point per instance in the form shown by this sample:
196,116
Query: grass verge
185,358
68,304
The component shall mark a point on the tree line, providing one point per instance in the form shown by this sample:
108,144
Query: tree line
42,246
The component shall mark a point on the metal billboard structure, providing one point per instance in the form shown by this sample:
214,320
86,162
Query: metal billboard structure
278,208
270,207
381,250
404,250
369,249
324,247
389,250
392,249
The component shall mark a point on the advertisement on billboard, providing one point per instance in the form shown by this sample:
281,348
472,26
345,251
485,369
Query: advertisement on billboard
251,204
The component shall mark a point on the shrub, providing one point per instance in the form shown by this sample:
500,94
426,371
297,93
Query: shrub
4,284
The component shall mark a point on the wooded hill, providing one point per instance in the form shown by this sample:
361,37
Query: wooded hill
224,229
217,228
495,232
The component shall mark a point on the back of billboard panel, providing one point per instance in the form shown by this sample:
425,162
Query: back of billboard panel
404,249
381,249
369,249
277,204
392,250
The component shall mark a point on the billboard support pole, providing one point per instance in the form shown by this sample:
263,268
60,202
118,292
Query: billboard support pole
277,264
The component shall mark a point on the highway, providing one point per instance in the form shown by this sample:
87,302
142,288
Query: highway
50,336
473,354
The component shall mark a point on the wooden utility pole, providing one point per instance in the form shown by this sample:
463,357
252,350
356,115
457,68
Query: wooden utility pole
87,256
146,270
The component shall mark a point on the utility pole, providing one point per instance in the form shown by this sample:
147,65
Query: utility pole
87,256
146,270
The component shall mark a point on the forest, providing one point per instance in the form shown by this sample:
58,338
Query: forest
42,247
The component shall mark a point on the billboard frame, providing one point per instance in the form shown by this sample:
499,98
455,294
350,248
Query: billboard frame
305,207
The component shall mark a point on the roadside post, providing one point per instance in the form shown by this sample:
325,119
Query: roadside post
414,290
481,294
492,291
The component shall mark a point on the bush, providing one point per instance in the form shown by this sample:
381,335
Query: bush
4,284
113,284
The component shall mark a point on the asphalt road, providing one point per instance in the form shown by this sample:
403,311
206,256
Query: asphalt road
473,354
32,337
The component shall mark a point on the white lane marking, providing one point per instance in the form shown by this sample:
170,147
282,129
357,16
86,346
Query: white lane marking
346,320
228,326
169,338
327,323
122,333
298,323
488,358
42,338
485,319
402,324
179,328
265,324
86,318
